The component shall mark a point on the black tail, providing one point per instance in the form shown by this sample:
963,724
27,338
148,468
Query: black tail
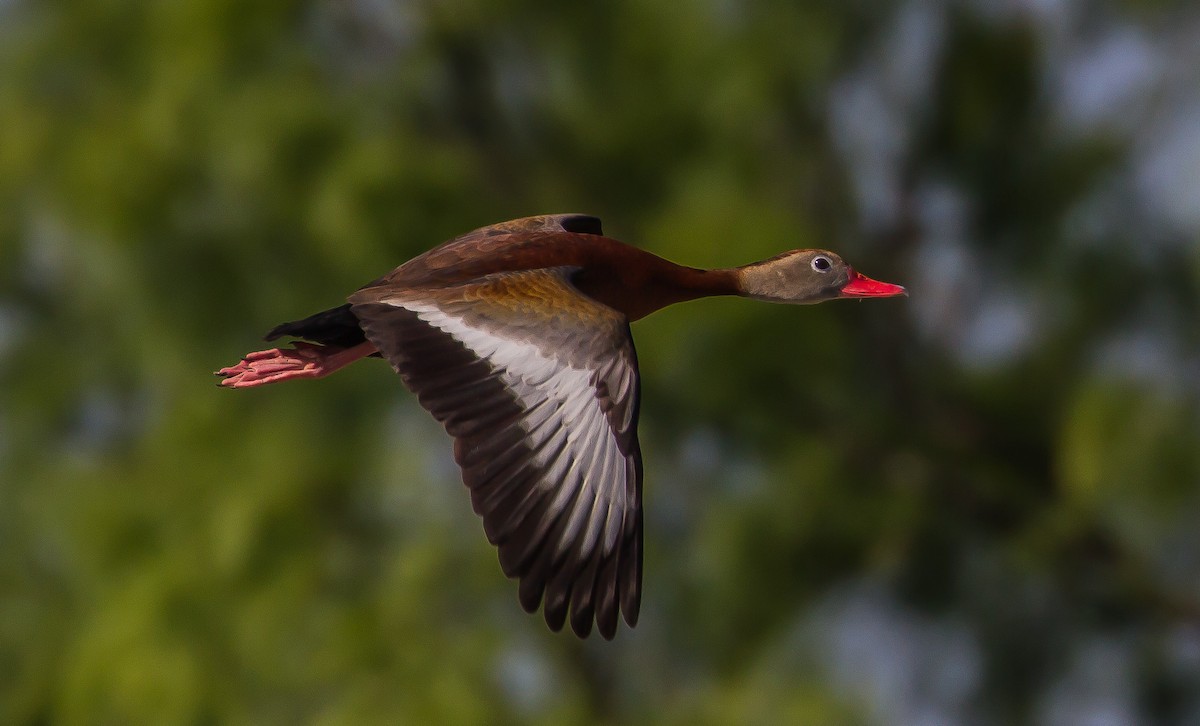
336,326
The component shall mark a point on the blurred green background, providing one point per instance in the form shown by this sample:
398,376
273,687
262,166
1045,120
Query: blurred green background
978,504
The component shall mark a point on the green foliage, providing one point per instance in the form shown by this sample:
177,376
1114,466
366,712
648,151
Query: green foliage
176,178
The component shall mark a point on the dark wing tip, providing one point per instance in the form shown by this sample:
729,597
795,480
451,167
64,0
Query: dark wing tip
630,570
529,592
580,224
556,615
541,223
581,621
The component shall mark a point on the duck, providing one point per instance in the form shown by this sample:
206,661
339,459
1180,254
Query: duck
516,338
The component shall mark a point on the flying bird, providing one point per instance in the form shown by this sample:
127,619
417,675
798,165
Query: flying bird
516,338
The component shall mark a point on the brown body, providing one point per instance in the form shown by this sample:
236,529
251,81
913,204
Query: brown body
516,338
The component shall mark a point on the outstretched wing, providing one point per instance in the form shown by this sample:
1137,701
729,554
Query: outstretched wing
538,385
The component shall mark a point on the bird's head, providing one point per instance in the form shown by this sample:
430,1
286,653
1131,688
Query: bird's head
809,276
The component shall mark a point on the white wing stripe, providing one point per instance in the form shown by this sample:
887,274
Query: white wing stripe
532,377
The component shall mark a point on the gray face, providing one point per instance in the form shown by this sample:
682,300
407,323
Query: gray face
798,277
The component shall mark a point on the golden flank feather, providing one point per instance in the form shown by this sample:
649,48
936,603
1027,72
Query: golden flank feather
526,298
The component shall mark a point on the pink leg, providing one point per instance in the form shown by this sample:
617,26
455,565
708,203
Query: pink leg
304,360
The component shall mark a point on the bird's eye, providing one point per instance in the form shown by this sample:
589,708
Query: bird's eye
821,263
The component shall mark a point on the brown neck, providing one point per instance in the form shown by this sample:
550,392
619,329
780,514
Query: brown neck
639,290
681,284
